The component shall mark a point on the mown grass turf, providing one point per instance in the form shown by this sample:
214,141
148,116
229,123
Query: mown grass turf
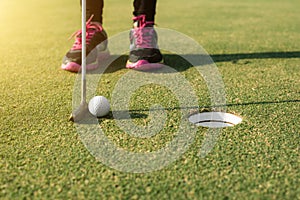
255,45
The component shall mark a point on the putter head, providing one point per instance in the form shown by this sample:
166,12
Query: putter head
79,113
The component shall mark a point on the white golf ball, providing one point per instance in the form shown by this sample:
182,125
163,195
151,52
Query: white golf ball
99,106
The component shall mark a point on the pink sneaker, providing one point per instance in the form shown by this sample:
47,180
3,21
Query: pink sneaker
96,48
144,52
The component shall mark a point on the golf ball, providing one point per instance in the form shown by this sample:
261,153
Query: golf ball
99,106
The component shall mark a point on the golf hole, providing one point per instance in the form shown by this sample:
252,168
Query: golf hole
215,119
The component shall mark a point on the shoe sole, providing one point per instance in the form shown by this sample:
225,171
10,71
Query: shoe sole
144,65
75,67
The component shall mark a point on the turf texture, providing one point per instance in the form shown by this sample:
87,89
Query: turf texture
255,45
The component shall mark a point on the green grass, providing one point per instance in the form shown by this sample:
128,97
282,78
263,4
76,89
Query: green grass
255,45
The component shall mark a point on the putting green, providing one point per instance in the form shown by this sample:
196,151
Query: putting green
255,45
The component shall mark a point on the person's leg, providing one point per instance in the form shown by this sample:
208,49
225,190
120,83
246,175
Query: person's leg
145,7
95,8
96,40
144,52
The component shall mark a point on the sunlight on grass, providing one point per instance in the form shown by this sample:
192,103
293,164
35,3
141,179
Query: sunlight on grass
255,45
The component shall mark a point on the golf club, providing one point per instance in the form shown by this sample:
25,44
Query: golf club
80,112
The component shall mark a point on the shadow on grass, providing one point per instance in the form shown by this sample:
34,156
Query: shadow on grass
180,63
260,55
206,107
140,113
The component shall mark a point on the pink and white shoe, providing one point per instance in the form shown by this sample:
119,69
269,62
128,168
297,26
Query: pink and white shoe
144,52
96,48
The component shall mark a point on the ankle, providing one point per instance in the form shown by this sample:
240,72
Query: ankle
140,21
97,23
